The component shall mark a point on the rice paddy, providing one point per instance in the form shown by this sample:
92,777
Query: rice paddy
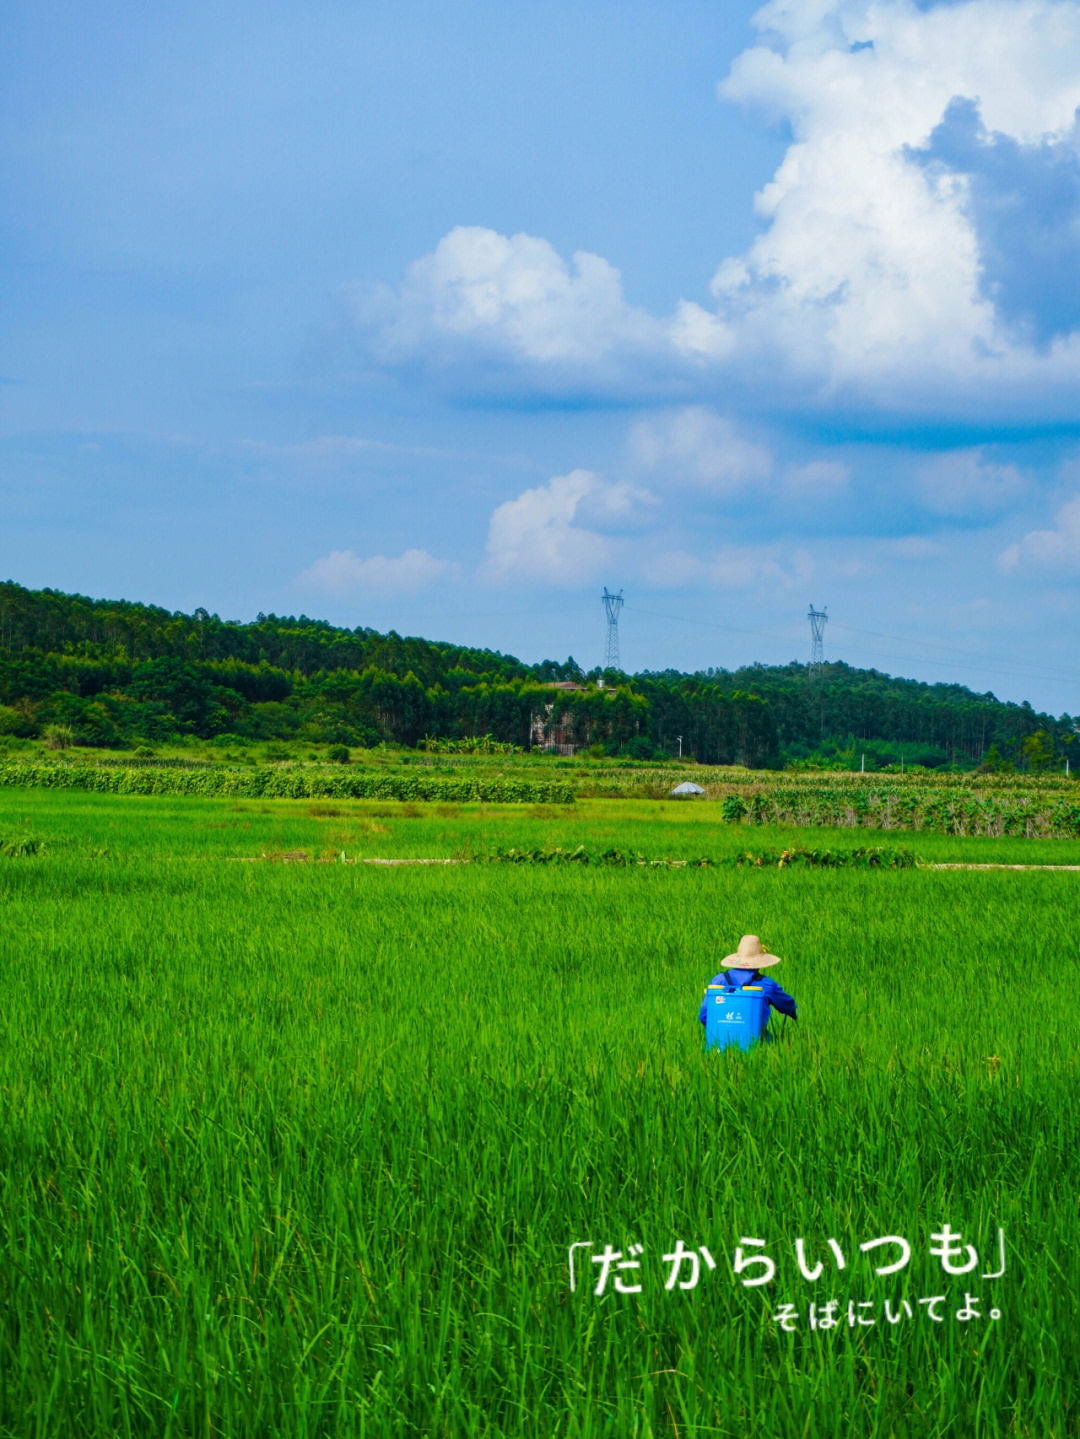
301,1149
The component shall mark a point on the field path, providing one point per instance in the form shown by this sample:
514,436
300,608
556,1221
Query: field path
301,857
1073,867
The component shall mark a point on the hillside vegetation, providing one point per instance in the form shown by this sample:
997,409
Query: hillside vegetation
113,674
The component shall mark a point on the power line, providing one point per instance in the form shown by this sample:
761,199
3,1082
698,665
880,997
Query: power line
1020,671
1040,670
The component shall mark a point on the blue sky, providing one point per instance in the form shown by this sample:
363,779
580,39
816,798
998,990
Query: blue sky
441,318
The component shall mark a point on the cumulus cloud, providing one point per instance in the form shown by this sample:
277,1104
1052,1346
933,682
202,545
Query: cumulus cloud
1049,549
1024,203
698,450
553,532
870,271
513,299
342,573
918,250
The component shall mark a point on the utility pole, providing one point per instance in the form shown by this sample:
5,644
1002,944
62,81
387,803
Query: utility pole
612,605
680,748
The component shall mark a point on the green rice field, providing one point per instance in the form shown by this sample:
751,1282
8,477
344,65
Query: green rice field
301,1149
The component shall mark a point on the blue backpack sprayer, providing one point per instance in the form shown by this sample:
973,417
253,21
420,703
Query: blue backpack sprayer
735,1016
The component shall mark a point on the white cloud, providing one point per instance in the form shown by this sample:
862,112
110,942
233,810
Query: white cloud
867,275
698,447
1048,549
513,298
550,533
514,295
698,333
341,572
868,284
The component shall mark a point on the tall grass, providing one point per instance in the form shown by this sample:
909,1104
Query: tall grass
300,1150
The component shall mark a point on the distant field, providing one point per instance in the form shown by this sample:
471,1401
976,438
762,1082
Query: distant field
301,1149
170,827
1038,806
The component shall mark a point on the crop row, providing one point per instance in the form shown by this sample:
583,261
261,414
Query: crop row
285,782
721,780
943,810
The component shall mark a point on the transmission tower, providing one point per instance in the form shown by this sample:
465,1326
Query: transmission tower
612,605
818,620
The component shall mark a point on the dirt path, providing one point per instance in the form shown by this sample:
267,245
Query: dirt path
299,856
1061,867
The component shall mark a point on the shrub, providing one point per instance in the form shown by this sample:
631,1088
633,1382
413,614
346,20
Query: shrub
338,754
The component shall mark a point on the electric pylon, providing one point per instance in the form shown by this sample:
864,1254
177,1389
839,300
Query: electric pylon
612,605
818,620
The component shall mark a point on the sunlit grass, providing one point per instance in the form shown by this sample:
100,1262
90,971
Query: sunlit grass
299,1150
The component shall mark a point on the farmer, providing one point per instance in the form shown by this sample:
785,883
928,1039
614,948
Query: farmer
744,967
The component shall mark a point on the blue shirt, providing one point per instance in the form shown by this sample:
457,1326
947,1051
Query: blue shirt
736,978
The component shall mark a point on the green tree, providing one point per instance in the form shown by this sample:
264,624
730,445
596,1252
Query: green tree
1039,751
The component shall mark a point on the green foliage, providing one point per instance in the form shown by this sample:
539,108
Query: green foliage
994,763
1039,753
283,782
470,744
993,805
118,674
300,1150
873,857
17,720
733,809
977,805
867,857
338,754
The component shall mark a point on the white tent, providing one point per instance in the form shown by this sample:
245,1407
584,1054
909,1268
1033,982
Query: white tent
687,788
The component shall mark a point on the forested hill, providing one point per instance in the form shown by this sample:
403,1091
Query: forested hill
113,673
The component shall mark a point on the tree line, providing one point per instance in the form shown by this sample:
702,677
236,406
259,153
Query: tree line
115,673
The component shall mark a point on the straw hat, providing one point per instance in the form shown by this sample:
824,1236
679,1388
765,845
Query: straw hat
750,955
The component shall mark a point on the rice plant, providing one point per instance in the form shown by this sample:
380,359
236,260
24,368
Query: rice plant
301,1150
